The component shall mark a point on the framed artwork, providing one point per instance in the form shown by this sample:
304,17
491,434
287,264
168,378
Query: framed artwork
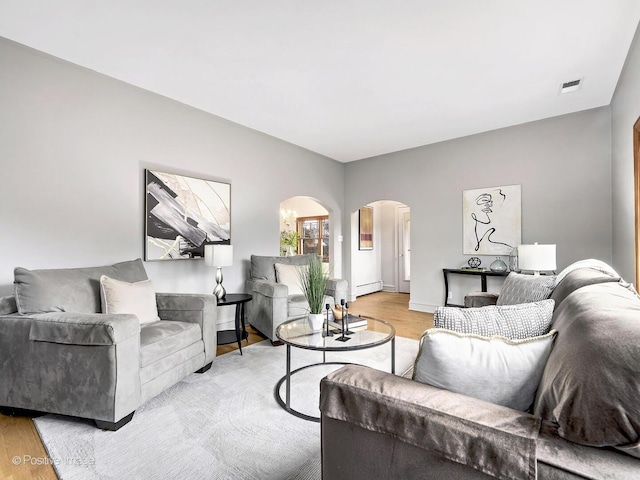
182,214
365,228
491,220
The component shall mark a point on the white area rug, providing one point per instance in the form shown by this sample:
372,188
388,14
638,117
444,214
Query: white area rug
224,424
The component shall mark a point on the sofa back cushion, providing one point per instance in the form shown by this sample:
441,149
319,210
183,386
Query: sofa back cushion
579,278
263,268
591,383
8,305
74,290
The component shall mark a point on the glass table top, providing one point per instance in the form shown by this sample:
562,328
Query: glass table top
299,334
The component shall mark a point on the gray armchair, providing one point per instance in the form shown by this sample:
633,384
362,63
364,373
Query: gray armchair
272,304
61,355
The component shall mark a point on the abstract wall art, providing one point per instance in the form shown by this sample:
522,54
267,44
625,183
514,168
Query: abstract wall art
491,220
183,214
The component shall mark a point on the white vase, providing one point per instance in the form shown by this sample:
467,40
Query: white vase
315,321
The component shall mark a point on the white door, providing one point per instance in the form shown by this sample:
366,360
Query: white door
404,249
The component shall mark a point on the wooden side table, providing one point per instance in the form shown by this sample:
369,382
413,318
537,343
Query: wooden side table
231,336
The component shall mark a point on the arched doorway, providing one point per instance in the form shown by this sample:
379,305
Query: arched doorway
384,263
305,227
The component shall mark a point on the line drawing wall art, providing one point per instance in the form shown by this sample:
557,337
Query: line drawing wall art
492,220
183,214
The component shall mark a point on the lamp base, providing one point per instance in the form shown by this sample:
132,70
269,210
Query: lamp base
219,291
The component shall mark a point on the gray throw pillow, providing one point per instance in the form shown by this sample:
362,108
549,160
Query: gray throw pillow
496,369
520,288
511,321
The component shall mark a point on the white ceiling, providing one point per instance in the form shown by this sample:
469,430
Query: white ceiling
348,79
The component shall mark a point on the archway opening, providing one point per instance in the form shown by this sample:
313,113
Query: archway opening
305,227
380,249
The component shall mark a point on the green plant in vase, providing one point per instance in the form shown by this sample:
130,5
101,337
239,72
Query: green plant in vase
289,241
313,282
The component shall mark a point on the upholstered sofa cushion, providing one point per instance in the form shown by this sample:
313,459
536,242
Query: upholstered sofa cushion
69,290
495,369
162,339
591,383
512,321
520,288
136,298
263,267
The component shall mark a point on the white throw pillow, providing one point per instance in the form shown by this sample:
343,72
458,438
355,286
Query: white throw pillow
496,369
138,298
288,275
520,321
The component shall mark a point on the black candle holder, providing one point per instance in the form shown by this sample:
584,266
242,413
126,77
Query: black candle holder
345,328
327,332
343,337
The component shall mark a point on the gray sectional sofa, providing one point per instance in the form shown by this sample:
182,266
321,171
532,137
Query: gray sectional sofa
585,422
60,354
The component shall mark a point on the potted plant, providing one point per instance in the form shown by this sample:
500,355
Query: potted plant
289,242
313,282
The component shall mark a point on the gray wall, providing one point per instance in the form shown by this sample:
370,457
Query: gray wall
73,148
74,145
562,163
625,110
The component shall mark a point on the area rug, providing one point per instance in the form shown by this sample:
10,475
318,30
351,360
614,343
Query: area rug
224,424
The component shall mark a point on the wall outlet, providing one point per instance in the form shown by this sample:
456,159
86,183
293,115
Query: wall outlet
450,295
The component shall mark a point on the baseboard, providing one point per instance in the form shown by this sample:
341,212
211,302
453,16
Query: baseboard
368,288
422,307
389,288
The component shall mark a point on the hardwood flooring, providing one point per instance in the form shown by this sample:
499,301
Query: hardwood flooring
19,438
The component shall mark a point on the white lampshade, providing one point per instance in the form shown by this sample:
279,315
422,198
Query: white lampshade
537,257
218,255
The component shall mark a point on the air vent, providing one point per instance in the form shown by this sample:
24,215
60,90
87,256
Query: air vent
571,86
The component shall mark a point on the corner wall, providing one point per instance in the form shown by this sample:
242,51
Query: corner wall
625,110
562,163
73,148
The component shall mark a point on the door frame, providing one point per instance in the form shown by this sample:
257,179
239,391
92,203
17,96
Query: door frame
636,181
400,210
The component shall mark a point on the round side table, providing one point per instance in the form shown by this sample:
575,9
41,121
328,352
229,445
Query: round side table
231,336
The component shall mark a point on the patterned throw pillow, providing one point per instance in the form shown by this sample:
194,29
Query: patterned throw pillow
520,288
511,321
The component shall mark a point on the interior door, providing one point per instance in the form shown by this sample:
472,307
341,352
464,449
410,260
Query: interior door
404,249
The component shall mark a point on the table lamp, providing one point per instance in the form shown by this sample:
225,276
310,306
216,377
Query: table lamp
537,258
218,256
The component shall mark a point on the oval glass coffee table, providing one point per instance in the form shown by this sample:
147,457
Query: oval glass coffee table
298,334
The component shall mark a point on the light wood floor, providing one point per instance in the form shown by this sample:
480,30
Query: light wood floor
19,438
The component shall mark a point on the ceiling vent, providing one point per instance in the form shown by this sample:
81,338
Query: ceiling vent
571,86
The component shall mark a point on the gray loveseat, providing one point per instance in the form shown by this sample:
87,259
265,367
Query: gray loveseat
59,354
272,303
585,421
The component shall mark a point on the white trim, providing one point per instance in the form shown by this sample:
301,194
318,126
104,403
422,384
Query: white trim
422,307
389,288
